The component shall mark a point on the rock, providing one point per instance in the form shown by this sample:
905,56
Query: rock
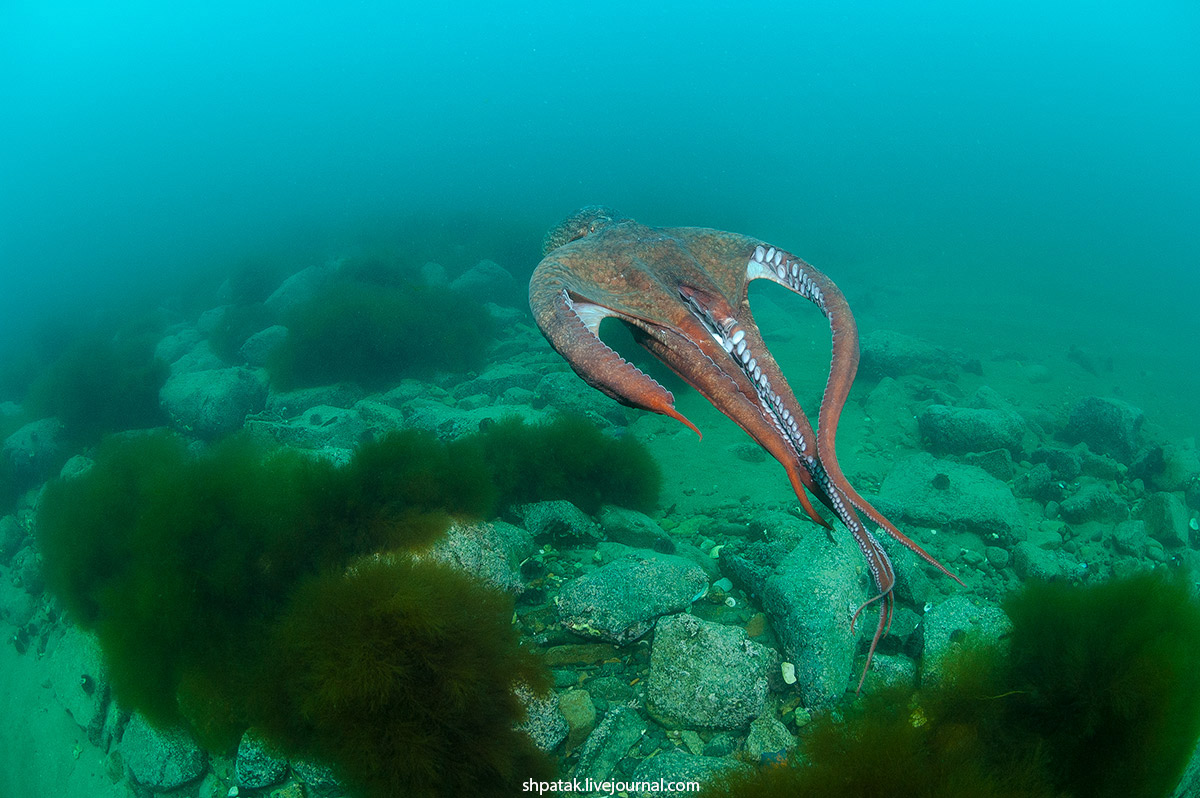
1166,519
174,346
544,722
1039,483
558,520
997,462
301,287
434,274
79,680
957,430
213,403
748,564
952,623
497,379
258,765
768,739
448,422
912,585
200,357
318,777
17,608
620,602
1189,785
491,552
632,528
997,557
289,404
381,419
893,421
483,280
809,598
1181,468
160,760
320,427
1093,502
566,392
1108,426
1064,465
1129,537
77,466
258,349
679,766
12,538
1034,562
211,319
940,493
27,570
892,354
579,712
890,670
36,451
706,675
620,730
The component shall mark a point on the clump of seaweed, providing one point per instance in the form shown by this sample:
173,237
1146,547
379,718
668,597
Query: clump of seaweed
101,385
376,334
571,459
250,586
1095,694
401,673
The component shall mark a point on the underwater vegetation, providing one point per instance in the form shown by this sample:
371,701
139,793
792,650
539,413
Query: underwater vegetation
1095,694
375,334
207,576
100,385
402,673
571,459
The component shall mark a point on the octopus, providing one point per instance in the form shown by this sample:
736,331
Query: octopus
683,293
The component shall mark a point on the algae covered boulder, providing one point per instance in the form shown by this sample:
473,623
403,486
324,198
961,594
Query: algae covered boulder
621,601
707,675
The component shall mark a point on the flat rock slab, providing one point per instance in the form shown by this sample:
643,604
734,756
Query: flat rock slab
953,496
621,601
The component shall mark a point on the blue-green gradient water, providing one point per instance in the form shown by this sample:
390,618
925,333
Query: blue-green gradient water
995,171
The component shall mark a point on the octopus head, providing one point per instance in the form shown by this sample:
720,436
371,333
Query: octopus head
582,222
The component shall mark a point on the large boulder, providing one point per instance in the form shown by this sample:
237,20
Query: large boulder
892,354
940,493
1107,426
161,759
954,623
485,279
707,675
35,451
491,552
809,598
958,430
209,404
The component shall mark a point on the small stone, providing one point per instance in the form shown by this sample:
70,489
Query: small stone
788,670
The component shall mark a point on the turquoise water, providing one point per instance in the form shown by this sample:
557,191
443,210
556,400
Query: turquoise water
1027,161
1019,181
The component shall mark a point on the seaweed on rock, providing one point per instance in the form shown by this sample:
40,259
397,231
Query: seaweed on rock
1094,694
